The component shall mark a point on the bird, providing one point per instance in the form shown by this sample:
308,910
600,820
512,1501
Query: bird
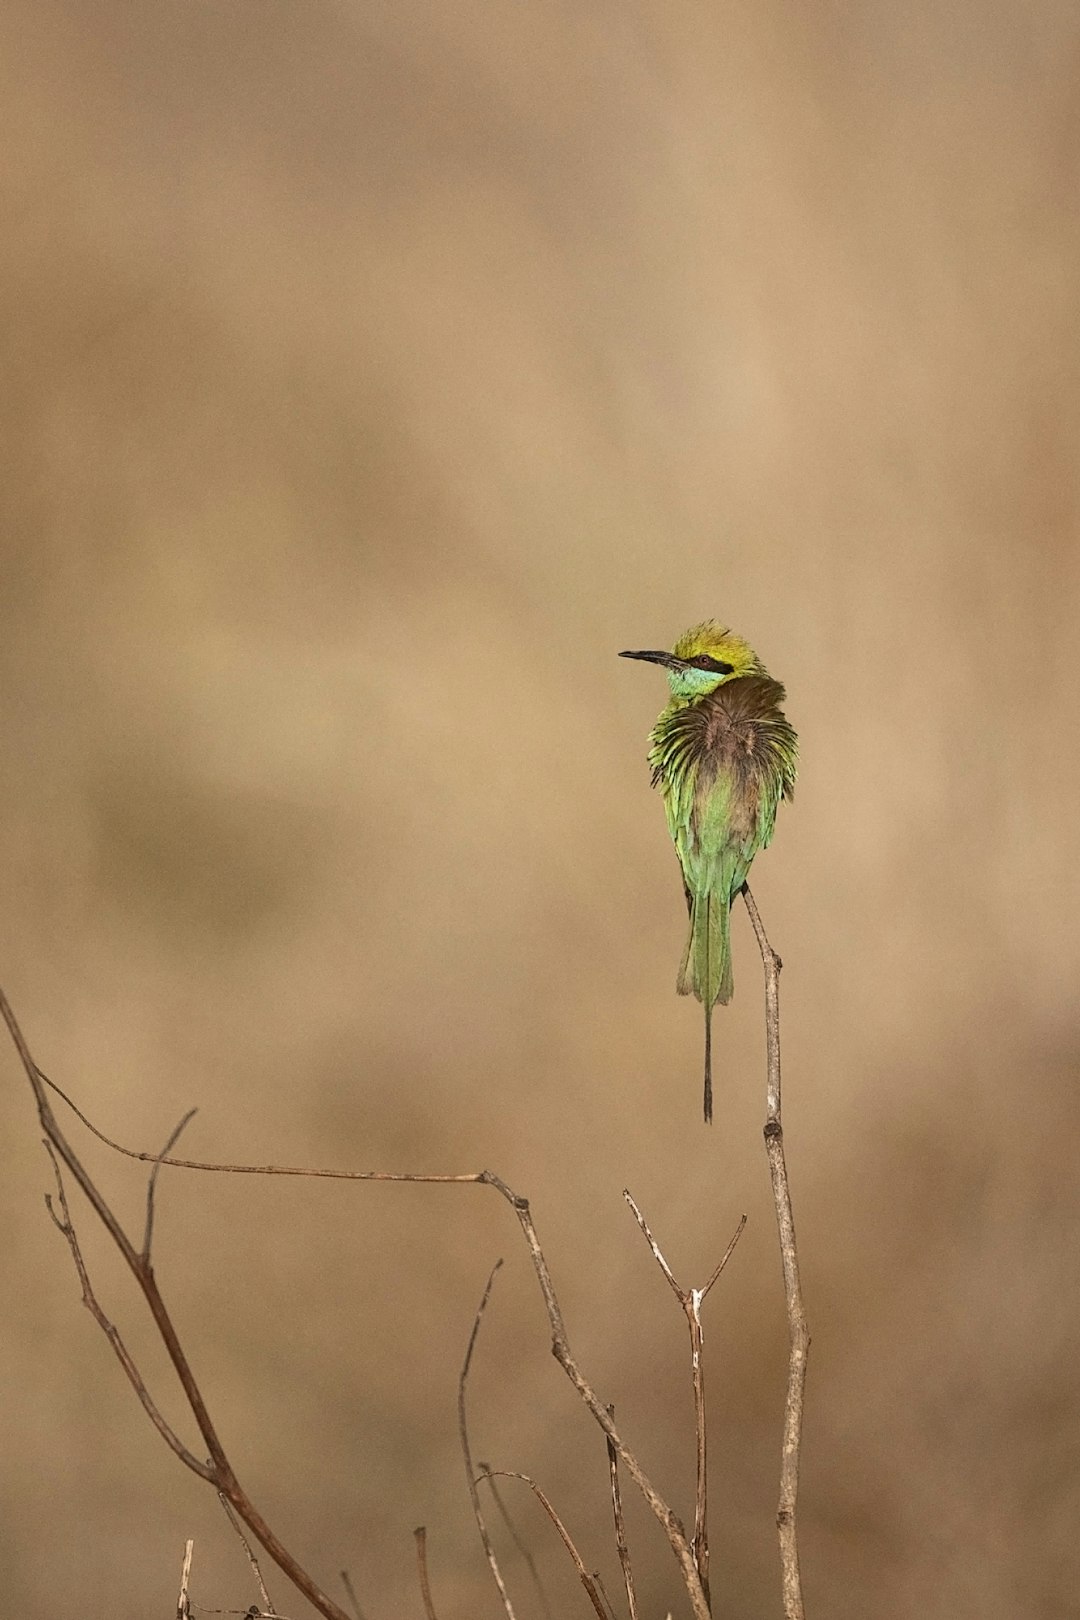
723,754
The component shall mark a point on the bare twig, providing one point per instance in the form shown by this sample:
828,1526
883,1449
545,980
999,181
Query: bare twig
560,1348
620,1525
463,1431
220,1471
151,1185
268,1607
725,1257
421,1563
585,1578
183,1608
316,1173
529,1561
64,1225
350,1593
798,1333
252,1612
691,1300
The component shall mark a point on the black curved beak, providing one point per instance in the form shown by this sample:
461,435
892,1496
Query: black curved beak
668,660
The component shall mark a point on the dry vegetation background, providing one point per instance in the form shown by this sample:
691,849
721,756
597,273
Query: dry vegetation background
372,375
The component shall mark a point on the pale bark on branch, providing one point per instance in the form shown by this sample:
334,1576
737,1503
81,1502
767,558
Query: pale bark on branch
798,1332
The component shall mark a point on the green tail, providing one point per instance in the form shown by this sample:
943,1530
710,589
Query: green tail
706,963
706,967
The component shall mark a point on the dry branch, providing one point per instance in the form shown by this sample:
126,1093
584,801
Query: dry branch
470,1472
183,1607
151,1185
691,1300
798,1333
609,1607
560,1349
420,1534
588,1581
526,1556
219,1471
620,1526
268,1607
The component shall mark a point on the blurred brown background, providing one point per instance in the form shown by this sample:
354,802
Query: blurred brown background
372,375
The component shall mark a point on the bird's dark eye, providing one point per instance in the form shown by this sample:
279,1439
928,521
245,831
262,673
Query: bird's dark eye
703,661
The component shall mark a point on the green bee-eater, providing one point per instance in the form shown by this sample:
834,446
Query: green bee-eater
722,754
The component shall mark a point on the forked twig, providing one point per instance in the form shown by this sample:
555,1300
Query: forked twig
691,1300
463,1432
620,1526
420,1533
560,1348
219,1470
798,1333
588,1581
63,1224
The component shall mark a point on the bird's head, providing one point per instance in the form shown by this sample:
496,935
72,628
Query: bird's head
702,659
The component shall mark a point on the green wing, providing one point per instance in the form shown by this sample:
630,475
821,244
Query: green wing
722,766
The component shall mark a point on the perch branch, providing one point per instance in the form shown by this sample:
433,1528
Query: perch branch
798,1333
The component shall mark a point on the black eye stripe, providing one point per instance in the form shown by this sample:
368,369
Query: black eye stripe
703,661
